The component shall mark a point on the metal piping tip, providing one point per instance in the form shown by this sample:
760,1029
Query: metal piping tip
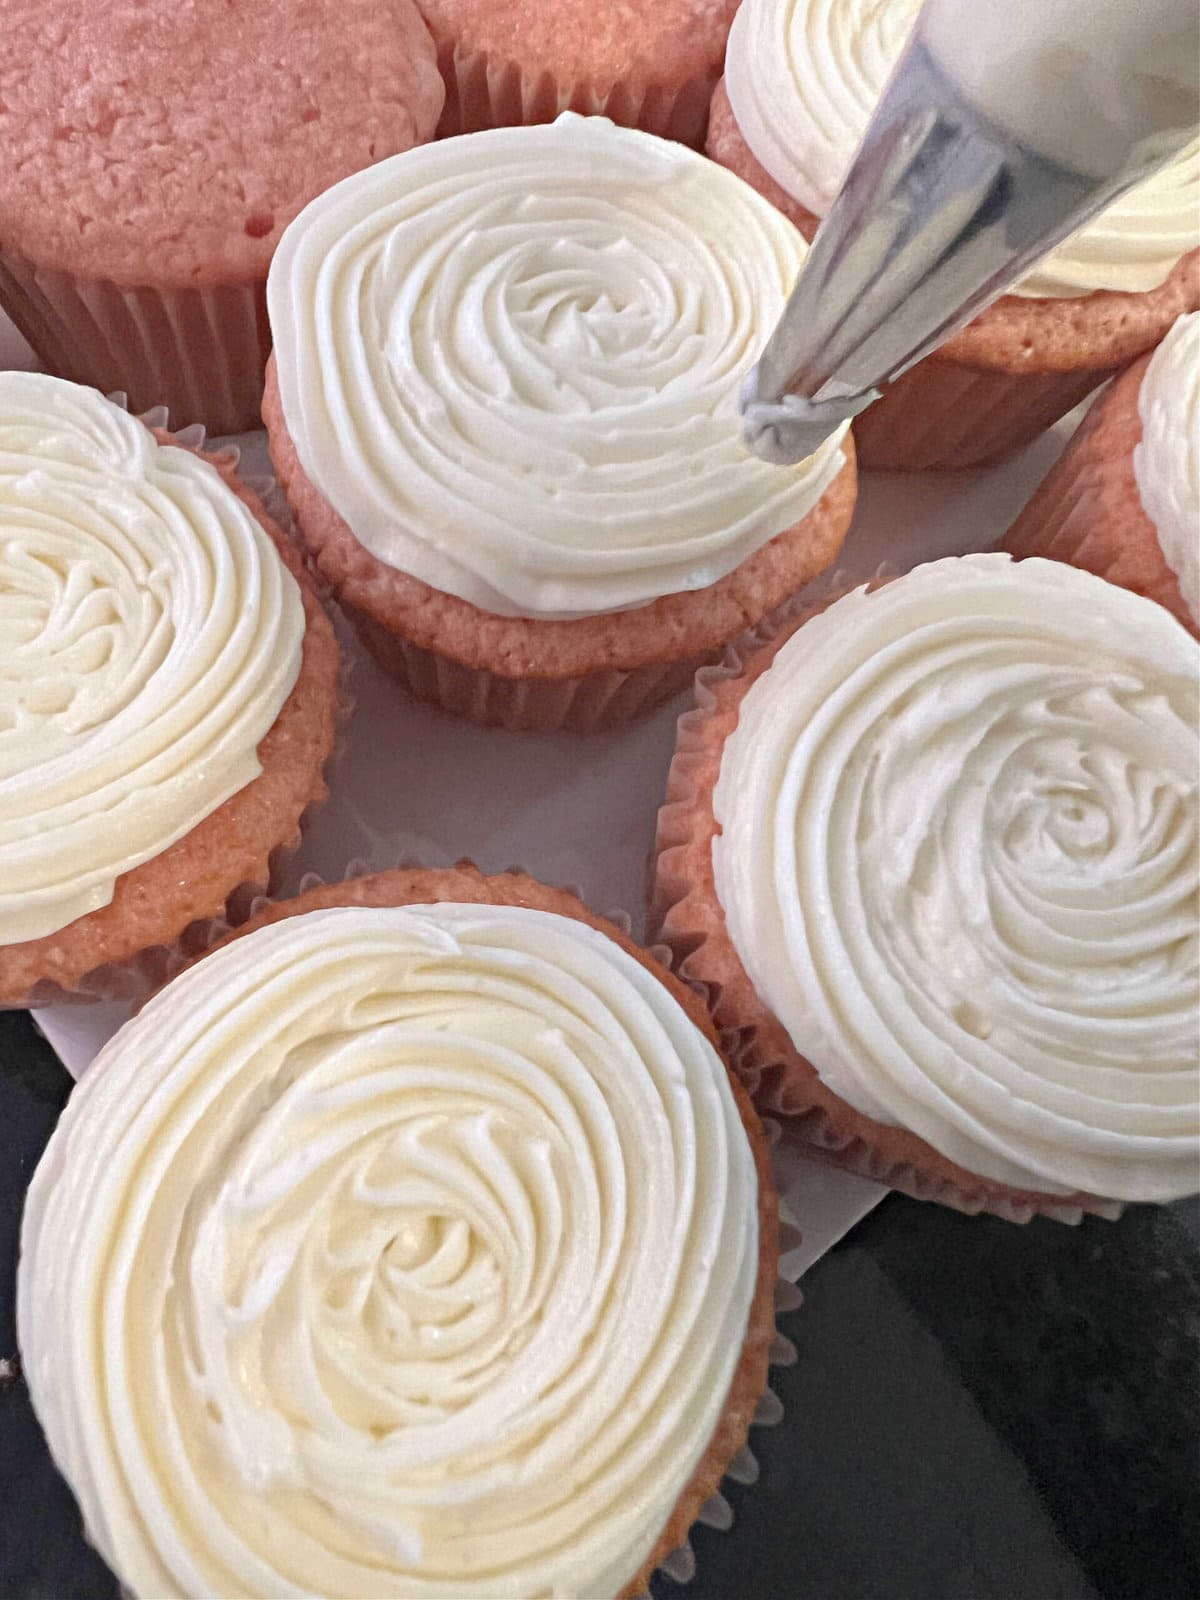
792,428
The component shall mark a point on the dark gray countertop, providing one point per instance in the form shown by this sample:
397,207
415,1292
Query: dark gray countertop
978,1412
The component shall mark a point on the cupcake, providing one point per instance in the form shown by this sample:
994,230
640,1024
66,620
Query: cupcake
168,687
648,64
421,1245
503,405
931,852
802,78
154,152
1124,499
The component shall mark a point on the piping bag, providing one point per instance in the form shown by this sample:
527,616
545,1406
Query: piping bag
1005,126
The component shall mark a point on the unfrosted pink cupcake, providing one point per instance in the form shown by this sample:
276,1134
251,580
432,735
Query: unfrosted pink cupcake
648,64
154,151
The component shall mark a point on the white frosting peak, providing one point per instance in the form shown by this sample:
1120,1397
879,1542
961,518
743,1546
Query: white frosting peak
959,862
803,78
411,1253
511,362
149,635
1166,462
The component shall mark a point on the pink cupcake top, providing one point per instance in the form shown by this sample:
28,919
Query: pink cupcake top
598,42
170,142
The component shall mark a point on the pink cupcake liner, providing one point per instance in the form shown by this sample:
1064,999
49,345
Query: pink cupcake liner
200,352
944,415
592,703
1087,512
747,1047
135,979
1069,532
483,92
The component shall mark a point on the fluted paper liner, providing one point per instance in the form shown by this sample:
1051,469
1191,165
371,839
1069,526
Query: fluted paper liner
200,352
944,415
483,91
610,685
687,916
593,702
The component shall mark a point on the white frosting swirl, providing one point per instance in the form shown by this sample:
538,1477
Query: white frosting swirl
803,78
511,362
959,863
151,635
1166,463
411,1253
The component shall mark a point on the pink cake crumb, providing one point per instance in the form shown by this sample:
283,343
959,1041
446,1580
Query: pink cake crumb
170,142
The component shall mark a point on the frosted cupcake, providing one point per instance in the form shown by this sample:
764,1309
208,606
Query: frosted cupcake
153,154
421,1245
1124,498
648,64
932,854
802,78
503,405
167,693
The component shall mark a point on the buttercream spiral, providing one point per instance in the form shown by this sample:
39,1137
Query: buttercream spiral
1166,461
803,78
959,863
150,635
511,362
411,1253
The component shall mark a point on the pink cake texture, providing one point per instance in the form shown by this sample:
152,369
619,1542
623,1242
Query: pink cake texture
154,152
